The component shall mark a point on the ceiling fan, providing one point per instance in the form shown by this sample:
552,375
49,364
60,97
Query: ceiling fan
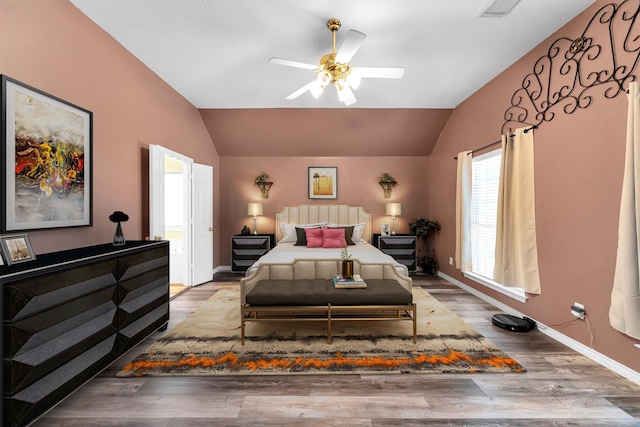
334,68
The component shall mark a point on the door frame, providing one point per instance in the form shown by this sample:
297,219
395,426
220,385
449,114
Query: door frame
157,155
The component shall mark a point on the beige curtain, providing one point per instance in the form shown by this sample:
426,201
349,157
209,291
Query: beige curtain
516,248
624,312
463,211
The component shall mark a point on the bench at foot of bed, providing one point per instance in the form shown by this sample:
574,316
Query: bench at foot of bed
305,300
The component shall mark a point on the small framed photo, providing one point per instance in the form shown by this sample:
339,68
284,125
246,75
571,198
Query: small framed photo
384,230
323,182
16,248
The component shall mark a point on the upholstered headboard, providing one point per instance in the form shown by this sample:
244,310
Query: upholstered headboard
335,214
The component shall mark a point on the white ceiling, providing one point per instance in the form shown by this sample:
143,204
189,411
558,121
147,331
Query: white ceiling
215,52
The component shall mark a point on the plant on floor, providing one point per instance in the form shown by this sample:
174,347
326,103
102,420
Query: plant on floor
424,229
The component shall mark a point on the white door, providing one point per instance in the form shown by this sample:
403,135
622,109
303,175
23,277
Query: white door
156,192
202,223
180,239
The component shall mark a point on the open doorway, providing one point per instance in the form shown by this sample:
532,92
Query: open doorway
176,221
180,211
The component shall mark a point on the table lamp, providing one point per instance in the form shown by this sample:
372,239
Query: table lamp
254,210
394,209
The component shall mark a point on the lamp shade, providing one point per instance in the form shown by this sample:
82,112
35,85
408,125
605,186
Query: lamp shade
394,209
254,209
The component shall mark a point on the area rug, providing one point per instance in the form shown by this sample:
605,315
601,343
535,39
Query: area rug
207,343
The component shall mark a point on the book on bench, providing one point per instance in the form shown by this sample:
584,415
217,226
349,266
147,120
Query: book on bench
355,282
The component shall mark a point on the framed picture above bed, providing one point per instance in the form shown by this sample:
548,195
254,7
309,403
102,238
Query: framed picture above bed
323,182
46,146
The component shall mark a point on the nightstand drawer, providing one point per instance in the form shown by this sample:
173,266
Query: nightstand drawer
246,249
401,247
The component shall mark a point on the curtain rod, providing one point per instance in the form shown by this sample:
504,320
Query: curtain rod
495,142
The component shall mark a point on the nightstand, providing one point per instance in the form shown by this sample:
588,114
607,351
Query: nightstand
247,248
402,247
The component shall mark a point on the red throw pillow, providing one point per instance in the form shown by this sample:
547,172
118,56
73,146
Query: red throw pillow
314,237
333,238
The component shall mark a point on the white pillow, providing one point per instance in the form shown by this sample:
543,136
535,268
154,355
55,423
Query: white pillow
358,229
289,231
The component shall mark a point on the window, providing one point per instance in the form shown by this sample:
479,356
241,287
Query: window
484,213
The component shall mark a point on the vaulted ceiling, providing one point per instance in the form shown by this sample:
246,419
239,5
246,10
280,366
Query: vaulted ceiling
215,53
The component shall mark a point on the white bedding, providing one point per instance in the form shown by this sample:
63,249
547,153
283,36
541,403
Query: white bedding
363,252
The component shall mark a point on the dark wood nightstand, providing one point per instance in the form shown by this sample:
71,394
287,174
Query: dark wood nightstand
247,248
402,247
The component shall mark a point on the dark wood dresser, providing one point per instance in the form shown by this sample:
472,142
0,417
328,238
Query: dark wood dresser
68,315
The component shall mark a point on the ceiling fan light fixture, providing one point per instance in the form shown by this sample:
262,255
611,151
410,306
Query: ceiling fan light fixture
354,79
323,78
316,89
341,94
334,68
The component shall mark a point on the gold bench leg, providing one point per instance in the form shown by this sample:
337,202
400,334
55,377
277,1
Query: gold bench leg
415,323
242,324
329,324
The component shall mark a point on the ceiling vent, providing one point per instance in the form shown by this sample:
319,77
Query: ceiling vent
498,8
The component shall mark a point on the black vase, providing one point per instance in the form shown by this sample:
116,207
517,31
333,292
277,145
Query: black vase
118,236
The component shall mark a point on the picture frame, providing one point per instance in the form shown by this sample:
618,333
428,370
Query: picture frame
323,182
16,248
46,165
384,230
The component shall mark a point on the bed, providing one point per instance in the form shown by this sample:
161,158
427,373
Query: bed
302,290
295,283
324,215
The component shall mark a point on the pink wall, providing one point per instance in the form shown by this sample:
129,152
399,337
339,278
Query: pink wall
357,186
579,160
57,49
579,164
310,132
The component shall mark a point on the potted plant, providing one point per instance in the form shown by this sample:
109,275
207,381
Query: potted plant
262,181
387,182
424,229
347,264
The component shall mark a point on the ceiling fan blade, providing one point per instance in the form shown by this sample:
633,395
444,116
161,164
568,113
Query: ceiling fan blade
379,72
346,95
350,46
302,90
290,63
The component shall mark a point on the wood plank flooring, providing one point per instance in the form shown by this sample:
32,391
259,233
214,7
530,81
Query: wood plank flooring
560,388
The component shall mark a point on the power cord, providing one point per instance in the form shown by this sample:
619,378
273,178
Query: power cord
570,322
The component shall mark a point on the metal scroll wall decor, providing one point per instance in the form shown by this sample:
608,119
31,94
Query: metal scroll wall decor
572,72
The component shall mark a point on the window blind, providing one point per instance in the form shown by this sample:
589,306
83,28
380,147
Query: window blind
484,208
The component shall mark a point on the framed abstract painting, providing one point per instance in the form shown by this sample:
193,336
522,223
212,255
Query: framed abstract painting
46,170
323,182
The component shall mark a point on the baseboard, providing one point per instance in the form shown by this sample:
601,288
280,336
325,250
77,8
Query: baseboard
587,351
221,268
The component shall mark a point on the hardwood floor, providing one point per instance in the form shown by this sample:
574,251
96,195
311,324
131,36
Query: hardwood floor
561,388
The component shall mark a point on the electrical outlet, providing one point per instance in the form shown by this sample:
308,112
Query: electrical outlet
450,260
577,310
